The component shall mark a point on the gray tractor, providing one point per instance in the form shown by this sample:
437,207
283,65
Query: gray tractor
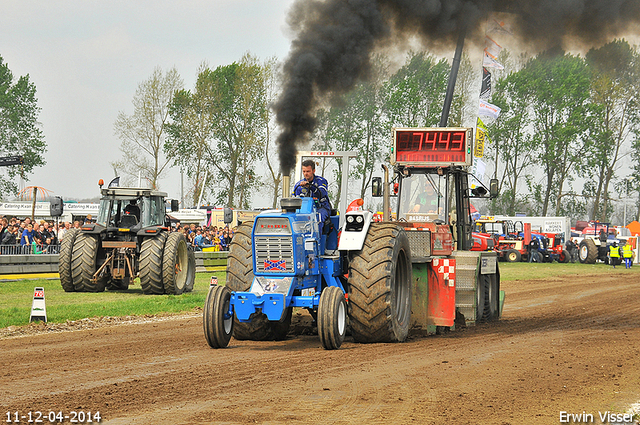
130,238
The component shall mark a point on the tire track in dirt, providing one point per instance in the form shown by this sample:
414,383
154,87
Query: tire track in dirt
563,344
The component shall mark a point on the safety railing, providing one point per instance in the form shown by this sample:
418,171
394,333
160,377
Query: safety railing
29,249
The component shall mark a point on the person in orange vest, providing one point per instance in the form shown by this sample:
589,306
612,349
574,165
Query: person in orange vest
627,254
614,254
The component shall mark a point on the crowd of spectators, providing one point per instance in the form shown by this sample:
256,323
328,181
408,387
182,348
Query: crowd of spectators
24,236
210,238
44,236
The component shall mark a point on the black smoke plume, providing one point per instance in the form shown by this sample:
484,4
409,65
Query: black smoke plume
335,38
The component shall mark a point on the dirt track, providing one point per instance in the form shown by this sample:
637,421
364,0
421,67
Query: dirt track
570,344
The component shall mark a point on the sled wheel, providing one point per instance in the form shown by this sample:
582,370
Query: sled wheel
481,297
492,295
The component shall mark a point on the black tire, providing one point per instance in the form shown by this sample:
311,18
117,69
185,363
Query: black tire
119,284
64,259
217,323
191,275
175,264
492,298
280,329
513,256
481,297
151,264
83,264
588,252
379,286
564,256
332,318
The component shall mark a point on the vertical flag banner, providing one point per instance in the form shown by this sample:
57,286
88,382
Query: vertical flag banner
489,62
492,48
481,132
488,110
485,90
499,27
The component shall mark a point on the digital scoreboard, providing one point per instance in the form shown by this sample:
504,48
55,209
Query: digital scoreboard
441,146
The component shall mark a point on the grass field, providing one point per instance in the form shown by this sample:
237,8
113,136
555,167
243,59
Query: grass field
16,296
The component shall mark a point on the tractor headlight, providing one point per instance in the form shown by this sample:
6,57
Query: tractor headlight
359,219
350,219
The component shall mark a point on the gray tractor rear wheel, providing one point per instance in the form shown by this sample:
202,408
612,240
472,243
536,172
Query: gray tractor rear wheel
588,252
380,286
64,259
175,264
83,264
240,278
191,273
151,264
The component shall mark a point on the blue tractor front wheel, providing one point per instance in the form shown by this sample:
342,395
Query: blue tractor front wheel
216,320
332,318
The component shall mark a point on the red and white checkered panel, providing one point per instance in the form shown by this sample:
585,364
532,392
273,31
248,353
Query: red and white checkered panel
446,268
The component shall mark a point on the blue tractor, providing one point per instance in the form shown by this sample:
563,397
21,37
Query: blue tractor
281,261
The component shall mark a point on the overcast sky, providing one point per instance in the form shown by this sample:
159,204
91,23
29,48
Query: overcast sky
86,59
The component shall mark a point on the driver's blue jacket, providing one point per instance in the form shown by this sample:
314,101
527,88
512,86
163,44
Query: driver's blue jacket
318,190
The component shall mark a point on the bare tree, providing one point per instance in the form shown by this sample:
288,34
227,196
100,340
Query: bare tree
143,132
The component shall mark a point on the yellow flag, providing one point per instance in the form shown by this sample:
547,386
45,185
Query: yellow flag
481,132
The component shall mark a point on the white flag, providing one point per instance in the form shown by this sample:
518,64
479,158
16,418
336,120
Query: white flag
499,27
489,62
488,110
492,48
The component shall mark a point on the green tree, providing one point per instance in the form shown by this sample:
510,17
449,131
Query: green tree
143,133
415,93
223,124
189,132
513,144
464,104
20,132
558,86
615,90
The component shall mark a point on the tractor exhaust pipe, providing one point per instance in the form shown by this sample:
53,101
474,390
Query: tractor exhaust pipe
286,191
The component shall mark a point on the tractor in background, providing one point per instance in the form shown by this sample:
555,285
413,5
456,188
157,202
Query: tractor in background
596,239
129,239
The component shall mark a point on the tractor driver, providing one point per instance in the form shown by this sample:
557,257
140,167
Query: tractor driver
132,209
427,201
316,187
